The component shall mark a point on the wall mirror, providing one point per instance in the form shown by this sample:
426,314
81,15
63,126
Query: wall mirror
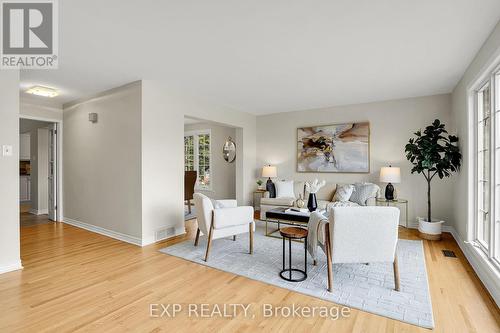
229,150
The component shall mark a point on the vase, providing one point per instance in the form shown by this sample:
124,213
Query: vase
430,230
312,204
300,202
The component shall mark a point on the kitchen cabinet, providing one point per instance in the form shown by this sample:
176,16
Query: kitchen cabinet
25,188
24,146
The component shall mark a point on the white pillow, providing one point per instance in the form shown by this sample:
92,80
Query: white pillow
363,192
284,189
217,204
343,193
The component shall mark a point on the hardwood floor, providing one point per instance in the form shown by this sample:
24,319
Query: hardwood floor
75,280
28,219
25,207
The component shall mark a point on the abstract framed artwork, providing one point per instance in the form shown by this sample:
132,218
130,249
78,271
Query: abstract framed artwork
334,148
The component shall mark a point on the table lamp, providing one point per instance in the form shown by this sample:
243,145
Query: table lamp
390,175
269,171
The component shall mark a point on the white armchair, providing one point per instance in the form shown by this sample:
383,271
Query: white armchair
361,235
226,220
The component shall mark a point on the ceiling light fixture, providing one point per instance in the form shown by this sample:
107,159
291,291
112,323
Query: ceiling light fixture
43,91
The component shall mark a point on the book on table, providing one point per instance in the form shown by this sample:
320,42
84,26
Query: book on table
301,211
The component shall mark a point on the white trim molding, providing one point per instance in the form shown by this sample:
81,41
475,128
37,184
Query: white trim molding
39,212
488,274
102,231
17,265
179,231
59,159
120,236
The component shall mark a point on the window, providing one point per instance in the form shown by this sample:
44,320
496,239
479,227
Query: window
189,153
483,165
204,160
197,156
487,166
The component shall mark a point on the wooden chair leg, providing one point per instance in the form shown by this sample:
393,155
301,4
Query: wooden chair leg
396,273
329,257
197,237
189,206
209,242
234,238
251,226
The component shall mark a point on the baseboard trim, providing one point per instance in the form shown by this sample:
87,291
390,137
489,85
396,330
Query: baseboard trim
488,275
105,232
450,229
181,230
39,212
11,267
412,225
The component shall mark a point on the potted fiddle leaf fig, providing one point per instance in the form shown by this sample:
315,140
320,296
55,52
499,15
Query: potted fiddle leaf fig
433,152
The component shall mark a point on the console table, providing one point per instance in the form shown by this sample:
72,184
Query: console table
259,194
396,203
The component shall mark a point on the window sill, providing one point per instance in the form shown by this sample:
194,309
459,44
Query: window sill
487,262
488,273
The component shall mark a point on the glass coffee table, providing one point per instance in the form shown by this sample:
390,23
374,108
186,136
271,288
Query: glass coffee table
280,216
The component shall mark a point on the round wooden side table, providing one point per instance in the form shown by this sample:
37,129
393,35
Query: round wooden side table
295,233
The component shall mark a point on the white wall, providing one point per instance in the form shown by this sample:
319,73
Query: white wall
102,162
162,166
124,175
9,172
222,173
392,123
163,114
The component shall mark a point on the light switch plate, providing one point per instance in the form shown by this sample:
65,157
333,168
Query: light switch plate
7,150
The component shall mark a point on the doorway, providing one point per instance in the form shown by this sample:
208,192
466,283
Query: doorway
38,171
206,169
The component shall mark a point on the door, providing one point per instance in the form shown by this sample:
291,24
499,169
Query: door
53,172
24,190
24,147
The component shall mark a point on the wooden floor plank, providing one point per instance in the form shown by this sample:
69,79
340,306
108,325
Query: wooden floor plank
75,280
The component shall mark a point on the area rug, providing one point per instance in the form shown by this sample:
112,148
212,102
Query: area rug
365,287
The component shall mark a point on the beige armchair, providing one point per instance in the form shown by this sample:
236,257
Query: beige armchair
359,235
227,219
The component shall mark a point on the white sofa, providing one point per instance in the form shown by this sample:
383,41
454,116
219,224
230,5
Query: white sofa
324,197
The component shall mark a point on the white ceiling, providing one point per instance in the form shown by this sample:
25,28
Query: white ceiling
269,56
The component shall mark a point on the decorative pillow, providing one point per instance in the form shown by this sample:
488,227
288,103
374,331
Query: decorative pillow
343,192
363,192
284,189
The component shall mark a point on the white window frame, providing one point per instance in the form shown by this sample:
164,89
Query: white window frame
194,165
493,80
195,135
